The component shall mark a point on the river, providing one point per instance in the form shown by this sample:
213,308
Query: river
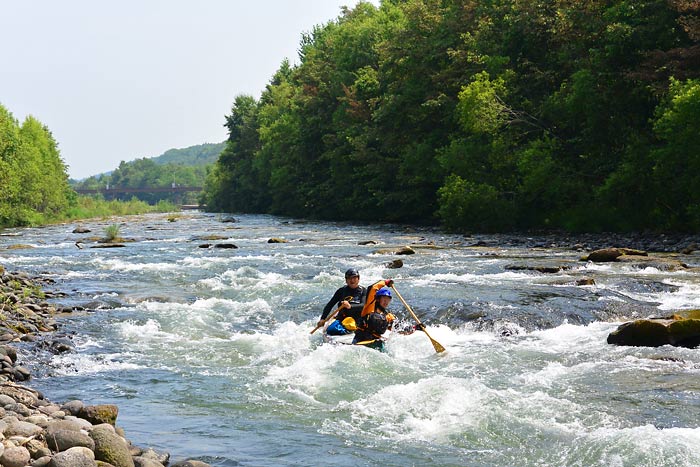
207,351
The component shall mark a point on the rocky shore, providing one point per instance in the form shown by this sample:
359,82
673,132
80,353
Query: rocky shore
37,432
651,242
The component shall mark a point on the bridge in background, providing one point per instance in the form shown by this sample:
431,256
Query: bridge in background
178,192
108,190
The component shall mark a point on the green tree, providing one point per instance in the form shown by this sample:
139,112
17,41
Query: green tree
677,160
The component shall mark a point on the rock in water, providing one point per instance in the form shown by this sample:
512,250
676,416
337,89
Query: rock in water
680,330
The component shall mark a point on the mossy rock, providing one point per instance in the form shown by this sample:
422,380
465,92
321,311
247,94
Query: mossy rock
685,332
643,333
687,314
612,254
111,448
675,330
98,414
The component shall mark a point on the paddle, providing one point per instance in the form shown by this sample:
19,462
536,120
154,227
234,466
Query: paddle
332,315
438,347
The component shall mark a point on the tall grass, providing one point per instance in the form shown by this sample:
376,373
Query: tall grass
112,233
87,207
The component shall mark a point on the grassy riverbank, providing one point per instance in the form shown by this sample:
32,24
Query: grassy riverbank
89,207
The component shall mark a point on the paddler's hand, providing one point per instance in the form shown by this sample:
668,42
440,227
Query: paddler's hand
344,304
420,327
388,282
321,322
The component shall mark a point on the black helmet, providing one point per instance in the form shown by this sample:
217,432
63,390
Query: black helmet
352,272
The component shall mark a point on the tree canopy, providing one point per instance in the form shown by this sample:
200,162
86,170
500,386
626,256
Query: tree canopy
33,177
580,115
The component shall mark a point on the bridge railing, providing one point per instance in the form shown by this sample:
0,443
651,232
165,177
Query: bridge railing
117,190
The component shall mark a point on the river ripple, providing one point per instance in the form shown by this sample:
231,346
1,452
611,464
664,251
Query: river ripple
207,351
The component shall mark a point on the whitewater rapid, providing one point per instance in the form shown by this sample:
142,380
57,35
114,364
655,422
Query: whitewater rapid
208,352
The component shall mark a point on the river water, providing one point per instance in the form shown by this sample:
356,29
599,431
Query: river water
207,351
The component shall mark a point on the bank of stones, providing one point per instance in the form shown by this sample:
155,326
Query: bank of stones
37,432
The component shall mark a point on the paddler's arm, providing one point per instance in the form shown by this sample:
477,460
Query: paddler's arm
337,297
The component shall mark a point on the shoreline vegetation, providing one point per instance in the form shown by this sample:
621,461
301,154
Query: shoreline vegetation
36,431
478,116
34,181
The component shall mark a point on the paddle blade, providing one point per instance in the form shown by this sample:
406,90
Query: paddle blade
438,347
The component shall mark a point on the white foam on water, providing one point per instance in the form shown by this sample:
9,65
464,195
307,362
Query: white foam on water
105,295
199,333
438,409
428,410
206,314
686,297
473,279
84,274
296,364
125,266
568,338
73,364
14,260
205,262
641,446
131,330
246,279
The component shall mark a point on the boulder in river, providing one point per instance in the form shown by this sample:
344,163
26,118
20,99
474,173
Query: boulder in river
228,246
611,254
680,330
402,250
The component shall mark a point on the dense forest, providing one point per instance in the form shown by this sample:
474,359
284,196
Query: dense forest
186,167
479,115
33,178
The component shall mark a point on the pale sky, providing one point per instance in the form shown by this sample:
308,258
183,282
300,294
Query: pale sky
127,79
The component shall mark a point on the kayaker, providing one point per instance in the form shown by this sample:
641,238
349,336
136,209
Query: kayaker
375,318
350,298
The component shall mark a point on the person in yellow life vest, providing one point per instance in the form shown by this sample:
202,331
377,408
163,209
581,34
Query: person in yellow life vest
375,319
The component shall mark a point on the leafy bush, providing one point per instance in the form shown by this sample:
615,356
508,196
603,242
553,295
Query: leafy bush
470,205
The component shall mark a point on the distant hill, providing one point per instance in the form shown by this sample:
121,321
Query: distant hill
202,154
185,167
193,156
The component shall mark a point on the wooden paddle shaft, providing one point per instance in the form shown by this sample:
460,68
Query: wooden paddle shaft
332,315
436,345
